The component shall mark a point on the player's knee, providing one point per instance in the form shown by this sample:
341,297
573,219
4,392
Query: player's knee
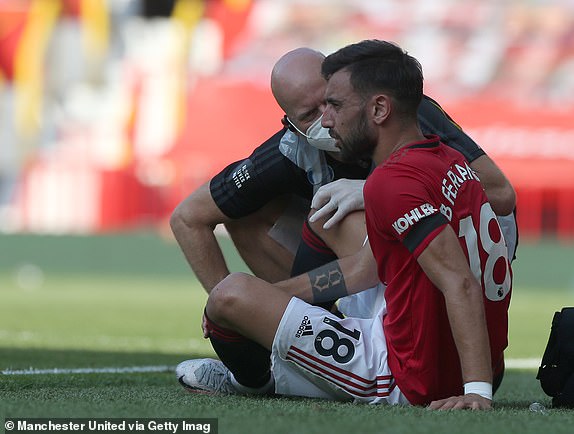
317,227
344,237
224,300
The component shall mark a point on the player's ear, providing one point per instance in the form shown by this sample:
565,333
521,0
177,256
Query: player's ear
381,108
286,123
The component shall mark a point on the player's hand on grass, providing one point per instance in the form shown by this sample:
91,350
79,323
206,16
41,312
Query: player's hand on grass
470,401
338,198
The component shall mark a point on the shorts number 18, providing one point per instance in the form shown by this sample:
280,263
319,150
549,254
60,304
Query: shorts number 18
337,342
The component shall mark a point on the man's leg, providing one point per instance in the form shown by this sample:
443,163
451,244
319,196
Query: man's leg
243,307
314,353
267,239
311,253
319,246
249,306
254,307
242,313
347,237
253,371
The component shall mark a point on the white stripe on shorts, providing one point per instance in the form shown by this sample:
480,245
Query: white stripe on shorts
381,386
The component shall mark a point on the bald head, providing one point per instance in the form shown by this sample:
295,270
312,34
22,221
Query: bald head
296,81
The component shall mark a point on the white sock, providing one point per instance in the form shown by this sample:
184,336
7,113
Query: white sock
263,390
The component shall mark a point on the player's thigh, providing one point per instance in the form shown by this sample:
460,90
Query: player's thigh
268,238
260,220
344,358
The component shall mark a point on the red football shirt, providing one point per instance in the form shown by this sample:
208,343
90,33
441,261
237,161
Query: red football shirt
408,201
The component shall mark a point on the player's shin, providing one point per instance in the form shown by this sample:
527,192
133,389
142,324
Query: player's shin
249,362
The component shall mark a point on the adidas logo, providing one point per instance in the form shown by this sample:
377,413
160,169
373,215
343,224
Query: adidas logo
305,329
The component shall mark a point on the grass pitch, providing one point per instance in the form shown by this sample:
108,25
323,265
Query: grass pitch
130,301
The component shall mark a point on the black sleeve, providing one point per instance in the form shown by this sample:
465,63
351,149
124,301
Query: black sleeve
434,120
245,186
420,231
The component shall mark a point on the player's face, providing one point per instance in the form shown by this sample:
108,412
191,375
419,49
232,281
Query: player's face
345,116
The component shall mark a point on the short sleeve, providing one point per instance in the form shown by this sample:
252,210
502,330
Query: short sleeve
399,207
245,186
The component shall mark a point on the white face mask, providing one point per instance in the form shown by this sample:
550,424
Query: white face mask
318,136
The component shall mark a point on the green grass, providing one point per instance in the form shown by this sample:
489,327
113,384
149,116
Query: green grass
130,300
157,396
104,313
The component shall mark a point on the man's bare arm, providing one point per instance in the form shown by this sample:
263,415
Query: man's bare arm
497,187
336,279
445,264
192,223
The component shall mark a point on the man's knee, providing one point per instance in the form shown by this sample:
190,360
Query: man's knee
345,237
329,237
317,227
224,302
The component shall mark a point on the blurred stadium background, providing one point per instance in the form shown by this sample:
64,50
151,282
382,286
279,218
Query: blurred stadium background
111,111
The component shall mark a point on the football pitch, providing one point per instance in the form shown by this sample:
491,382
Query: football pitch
92,327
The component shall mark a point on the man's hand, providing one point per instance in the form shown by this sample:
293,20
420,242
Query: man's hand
470,401
339,198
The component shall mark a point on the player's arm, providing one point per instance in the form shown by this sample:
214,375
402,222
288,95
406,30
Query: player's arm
193,222
445,264
497,187
336,279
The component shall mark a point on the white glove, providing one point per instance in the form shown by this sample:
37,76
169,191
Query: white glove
339,198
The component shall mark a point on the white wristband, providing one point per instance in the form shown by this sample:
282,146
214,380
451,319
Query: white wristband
480,388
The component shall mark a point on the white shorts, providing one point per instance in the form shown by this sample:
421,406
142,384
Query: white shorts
365,304
316,354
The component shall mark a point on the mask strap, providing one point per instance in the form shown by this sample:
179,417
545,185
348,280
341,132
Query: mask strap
287,123
293,128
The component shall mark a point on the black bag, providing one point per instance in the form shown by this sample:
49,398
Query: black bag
556,374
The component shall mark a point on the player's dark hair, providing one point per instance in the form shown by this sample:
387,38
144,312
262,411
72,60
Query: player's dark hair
380,66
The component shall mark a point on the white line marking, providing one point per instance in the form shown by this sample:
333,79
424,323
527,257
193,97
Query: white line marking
532,363
110,370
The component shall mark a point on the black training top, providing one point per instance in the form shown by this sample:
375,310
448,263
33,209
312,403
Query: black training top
245,186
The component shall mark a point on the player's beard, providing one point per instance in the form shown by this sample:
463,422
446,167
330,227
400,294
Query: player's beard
359,144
